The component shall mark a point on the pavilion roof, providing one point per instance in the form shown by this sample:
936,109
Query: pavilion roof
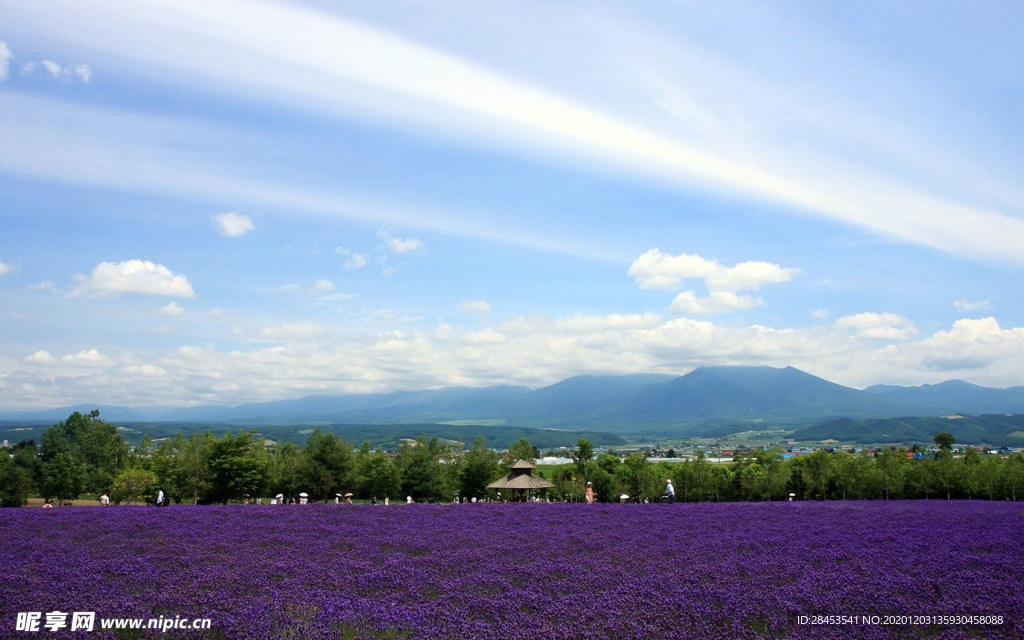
520,482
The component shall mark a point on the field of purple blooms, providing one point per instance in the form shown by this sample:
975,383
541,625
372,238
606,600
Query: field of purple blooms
524,570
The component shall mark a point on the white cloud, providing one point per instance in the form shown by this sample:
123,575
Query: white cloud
86,357
475,306
966,305
82,72
886,326
689,303
51,66
5,60
145,370
486,337
172,309
40,357
355,261
132,276
657,270
399,245
534,350
403,245
318,62
749,276
291,332
233,224
323,286
44,285
4,268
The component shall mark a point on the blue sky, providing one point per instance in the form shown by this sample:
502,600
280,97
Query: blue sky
241,201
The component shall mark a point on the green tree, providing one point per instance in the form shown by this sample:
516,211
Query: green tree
568,486
423,477
192,475
15,483
721,483
380,477
988,477
133,485
239,465
283,472
482,466
1013,476
61,474
583,454
848,476
969,472
604,483
817,470
327,465
641,478
700,469
96,447
521,449
776,472
945,469
945,440
921,478
892,473
753,482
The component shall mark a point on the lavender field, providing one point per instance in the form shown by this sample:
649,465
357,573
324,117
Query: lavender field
524,570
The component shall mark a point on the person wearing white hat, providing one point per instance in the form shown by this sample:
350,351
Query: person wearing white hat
591,496
670,492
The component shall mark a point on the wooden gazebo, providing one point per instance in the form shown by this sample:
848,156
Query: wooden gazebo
520,481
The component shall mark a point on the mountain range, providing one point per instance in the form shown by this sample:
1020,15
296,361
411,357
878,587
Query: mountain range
706,398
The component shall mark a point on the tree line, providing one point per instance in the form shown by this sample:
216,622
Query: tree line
767,474
85,456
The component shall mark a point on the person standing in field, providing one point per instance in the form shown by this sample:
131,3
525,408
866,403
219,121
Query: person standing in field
591,496
105,500
160,498
670,491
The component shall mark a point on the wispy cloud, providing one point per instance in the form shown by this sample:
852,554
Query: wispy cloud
967,305
5,60
319,61
291,332
76,72
353,260
475,306
122,151
399,245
